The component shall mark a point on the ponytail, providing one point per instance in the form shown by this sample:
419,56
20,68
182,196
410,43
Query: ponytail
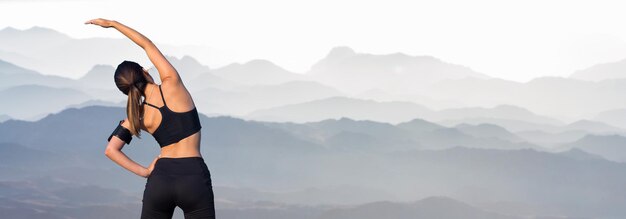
130,80
134,111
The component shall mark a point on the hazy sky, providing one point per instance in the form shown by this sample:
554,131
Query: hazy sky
516,40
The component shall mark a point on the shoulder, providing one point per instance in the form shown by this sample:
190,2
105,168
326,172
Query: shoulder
175,85
175,89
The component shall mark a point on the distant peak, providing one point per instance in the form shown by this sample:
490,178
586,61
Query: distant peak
346,119
340,52
262,63
404,55
36,30
99,71
101,66
188,58
439,199
419,121
259,62
511,108
554,79
583,122
9,29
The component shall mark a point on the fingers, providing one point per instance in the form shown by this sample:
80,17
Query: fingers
94,21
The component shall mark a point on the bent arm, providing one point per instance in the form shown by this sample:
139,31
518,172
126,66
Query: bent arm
166,71
114,152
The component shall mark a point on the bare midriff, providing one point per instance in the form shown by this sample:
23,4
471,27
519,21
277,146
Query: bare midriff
187,147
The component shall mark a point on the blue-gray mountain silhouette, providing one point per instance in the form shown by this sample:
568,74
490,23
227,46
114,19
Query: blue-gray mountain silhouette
611,147
581,155
257,71
30,101
276,156
434,207
13,75
615,117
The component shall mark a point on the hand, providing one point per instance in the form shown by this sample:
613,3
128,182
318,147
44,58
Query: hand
151,167
101,22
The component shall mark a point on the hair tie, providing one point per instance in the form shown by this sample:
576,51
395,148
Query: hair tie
138,84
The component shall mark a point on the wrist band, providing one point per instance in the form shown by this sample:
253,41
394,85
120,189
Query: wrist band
122,133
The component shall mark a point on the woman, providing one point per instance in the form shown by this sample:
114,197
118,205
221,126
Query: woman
178,176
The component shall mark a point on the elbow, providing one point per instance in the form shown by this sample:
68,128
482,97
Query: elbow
109,152
146,44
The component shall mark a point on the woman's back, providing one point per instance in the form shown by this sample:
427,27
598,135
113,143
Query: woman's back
171,117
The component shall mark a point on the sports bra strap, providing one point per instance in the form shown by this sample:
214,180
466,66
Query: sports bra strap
150,104
163,98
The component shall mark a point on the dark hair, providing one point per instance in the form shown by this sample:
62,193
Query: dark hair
130,79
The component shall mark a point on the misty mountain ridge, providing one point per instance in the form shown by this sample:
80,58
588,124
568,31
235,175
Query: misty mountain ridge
611,147
35,100
295,92
580,154
103,69
338,106
391,111
615,117
13,75
247,97
395,72
603,71
512,118
7,68
455,87
18,44
562,98
13,39
552,140
433,207
415,134
419,125
100,76
355,129
257,71
4,118
486,130
594,126
281,157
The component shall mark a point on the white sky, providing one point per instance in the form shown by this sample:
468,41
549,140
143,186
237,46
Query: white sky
515,40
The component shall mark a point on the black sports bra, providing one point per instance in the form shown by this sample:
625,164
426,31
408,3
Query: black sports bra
175,126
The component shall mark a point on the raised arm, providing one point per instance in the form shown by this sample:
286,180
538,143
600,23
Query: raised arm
166,71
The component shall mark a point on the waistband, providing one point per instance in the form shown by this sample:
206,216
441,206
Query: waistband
180,166
181,158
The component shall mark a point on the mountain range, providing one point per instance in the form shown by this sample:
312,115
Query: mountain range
357,136
282,162
233,89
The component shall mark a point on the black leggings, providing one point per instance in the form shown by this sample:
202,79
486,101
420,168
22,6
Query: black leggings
183,182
